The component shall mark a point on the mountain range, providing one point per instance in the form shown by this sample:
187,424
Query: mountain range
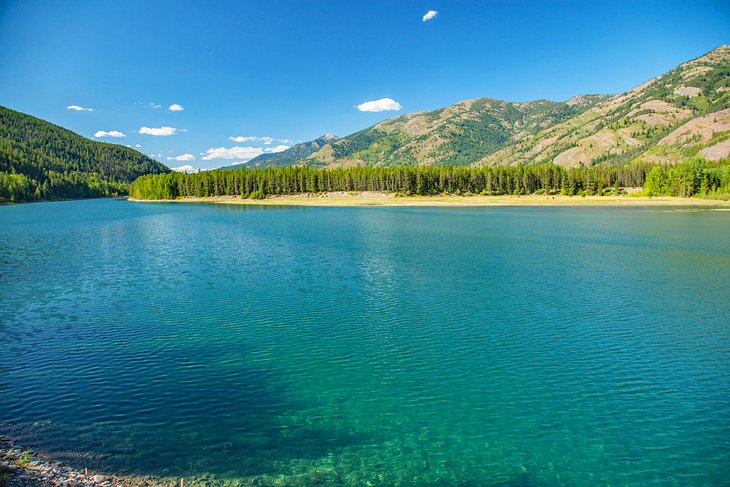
292,155
669,119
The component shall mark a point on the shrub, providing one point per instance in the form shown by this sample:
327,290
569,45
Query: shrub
24,459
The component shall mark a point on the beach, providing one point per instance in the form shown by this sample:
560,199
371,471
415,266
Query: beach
390,199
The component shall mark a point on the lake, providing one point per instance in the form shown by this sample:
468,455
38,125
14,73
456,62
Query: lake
370,346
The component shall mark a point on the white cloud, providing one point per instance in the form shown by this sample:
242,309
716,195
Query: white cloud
244,153
137,145
252,138
242,138
186,168
429,15
176,108
384,104
162,131
79,109
182,157
111,133
278,148
154,105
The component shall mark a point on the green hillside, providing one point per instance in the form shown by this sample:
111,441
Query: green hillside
40,160
460,134
668,119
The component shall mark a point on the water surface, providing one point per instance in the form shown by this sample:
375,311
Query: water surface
410,346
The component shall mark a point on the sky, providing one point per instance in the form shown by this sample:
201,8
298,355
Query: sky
204,84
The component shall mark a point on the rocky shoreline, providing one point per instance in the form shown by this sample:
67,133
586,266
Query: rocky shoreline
21,467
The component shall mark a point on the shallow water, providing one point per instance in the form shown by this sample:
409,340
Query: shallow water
411,346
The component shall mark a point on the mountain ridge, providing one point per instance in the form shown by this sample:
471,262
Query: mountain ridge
289,156
583,130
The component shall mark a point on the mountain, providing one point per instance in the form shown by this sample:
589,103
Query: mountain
669,119
288,157
40,160
460,134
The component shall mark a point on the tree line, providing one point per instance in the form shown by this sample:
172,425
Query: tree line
19,188
698,177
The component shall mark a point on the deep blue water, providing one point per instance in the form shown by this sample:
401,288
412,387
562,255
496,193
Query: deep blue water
370,346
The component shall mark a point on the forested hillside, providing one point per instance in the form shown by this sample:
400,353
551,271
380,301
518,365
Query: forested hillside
460,134
40,160
668,119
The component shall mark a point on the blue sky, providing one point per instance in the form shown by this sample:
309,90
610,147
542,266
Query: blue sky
256,76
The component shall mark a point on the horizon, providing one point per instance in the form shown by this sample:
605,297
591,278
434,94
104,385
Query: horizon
151,89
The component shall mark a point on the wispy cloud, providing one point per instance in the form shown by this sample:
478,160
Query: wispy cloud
137,145
175,108
430,15
382,105
182,157
160,132
111,133
252,138
185,168
154,105
79,109
243,153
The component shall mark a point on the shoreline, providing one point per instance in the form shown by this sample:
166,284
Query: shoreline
21,466
39,469
368,198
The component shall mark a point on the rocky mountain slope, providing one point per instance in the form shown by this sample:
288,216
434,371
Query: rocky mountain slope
670,118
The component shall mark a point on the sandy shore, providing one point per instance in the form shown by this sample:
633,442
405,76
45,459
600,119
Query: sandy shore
389,199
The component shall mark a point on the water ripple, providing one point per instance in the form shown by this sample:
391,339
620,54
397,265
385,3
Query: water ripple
370,346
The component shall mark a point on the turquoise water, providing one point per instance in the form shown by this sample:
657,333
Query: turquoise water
370,346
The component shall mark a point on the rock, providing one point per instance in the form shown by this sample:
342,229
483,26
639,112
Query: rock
7,468
98,479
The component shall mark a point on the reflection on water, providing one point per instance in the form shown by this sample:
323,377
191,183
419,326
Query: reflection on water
380,346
